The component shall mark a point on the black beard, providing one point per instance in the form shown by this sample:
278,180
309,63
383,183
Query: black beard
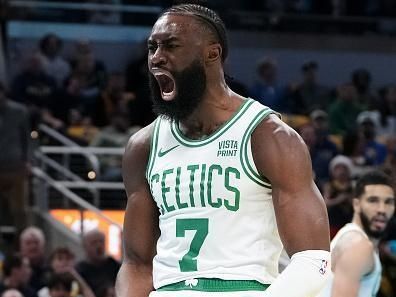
190,85
366,227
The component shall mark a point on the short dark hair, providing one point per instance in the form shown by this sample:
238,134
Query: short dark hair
375,177
61,251
63,280
207,17
11,262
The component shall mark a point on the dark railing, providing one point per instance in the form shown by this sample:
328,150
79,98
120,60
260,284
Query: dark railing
238,19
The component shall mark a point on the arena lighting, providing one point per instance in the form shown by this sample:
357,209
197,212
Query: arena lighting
91,174
34,134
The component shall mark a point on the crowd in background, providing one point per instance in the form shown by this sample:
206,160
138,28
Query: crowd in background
30,270
348,129
352,125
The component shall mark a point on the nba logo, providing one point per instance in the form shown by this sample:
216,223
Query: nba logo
323,266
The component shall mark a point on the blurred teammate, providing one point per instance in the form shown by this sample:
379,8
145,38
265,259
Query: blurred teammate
355,262
218,184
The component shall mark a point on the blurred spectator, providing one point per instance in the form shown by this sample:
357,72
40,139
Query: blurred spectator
17,273
89,75
309,94
390,162
373,151
352,147
54,65
325,148
37,90
114,135
68,100
81,128
60,285
344,111
361,79
61,260
12,293
387,109
320,154
97,269
14,161
267,90
113,99
61,263
338,193
32,246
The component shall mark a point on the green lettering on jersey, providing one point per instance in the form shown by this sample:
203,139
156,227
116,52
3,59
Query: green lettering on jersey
156,178
180,205
192,169
166,190
209,189
236,173
202,185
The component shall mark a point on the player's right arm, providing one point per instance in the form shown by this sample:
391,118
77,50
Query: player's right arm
353,259
141,229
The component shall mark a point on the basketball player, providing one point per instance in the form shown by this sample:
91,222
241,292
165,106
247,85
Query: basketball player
218,184
355,262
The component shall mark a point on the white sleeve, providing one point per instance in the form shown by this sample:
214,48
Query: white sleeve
305,276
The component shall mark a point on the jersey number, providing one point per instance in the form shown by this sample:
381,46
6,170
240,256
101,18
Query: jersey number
188,262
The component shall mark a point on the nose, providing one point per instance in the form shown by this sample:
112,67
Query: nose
381,208
158,58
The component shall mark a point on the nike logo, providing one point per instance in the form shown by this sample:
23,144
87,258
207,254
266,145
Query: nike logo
162,153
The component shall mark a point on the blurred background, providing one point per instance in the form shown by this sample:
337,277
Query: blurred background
73,89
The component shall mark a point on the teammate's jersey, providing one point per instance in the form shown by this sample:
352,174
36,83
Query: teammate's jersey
369,284
217,218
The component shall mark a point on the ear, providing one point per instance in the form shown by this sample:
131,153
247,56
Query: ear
213,53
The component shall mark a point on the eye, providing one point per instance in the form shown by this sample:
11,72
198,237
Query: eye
151,47
172,45
372,199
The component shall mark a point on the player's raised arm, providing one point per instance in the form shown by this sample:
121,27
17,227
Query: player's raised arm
281,156
141,221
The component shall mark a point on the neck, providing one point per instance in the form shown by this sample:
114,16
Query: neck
218,105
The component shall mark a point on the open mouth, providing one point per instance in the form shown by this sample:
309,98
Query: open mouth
167,85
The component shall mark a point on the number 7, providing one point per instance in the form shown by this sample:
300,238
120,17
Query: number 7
188,263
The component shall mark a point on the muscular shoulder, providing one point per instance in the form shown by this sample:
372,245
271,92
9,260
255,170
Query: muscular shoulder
278,150
353,248
354,240
136,156
140,140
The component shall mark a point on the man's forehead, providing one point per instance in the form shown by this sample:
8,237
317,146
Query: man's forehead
379,191
173,25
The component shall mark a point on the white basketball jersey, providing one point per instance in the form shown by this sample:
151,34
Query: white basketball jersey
369,284
217,218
